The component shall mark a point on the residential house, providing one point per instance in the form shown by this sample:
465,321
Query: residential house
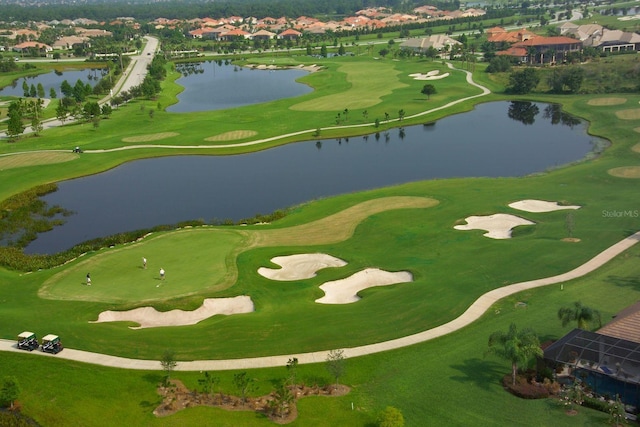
540,50
607,360
439,42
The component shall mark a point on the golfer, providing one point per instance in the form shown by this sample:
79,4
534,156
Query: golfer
161,273
88,279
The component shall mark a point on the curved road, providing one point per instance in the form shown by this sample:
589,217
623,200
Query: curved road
477,309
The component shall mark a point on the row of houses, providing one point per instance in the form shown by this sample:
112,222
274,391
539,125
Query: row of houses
527,46
285,28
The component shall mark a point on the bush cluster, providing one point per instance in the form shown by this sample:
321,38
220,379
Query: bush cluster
524,388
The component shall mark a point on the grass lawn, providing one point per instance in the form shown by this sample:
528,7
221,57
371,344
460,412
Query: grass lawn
406,227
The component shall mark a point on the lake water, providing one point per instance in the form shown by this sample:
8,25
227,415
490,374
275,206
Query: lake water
496,139
215,85
53,80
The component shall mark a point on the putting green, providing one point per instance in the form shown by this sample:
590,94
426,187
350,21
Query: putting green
368,86
34,159
195,260
119,277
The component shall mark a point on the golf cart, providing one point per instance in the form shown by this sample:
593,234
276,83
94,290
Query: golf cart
27,341
51,344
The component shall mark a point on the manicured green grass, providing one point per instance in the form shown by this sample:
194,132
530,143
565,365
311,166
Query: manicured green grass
446,381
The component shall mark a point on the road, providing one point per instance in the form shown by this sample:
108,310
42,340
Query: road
133,76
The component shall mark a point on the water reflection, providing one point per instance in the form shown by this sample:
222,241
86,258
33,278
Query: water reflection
482,143
218,85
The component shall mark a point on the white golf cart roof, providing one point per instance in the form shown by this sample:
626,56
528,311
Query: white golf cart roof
26,334
49,337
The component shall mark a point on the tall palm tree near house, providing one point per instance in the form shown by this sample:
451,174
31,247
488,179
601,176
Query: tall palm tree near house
518,347
579,313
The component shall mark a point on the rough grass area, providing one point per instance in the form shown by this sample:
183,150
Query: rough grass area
150,137
636,148
35,159
367,87
607,101
233,135
630,114
626,172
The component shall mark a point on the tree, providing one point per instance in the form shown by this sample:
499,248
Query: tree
244,384
569,224
390,417
62,112
52,93
208,383
168,363
335,364
14,124
579,313
106,110
66,89
522,82
292,368
282,398
401,114
428,90
518,347
10,391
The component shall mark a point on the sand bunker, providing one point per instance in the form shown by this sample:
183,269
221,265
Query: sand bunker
345,291
230,136
539,206
498,226
636,148
631,114
150,137
626,172
607,101
301,266
149,317
431,75
35,159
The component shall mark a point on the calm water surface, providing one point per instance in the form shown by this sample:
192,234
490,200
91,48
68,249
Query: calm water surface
486,142
53,80
217,86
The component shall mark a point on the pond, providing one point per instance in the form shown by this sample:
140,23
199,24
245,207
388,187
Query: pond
53,80
217,85
496,139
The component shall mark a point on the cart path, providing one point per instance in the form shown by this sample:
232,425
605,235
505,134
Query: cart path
477,309
469,77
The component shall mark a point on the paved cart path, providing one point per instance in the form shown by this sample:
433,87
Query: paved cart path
477,309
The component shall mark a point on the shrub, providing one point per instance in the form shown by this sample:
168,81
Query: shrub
525,389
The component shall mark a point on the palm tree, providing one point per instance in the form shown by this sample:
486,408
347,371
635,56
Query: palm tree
579,313
518,347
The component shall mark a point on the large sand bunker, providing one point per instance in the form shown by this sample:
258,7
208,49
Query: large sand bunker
531,205
149,317
431,75
301,266
345,291
498,226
